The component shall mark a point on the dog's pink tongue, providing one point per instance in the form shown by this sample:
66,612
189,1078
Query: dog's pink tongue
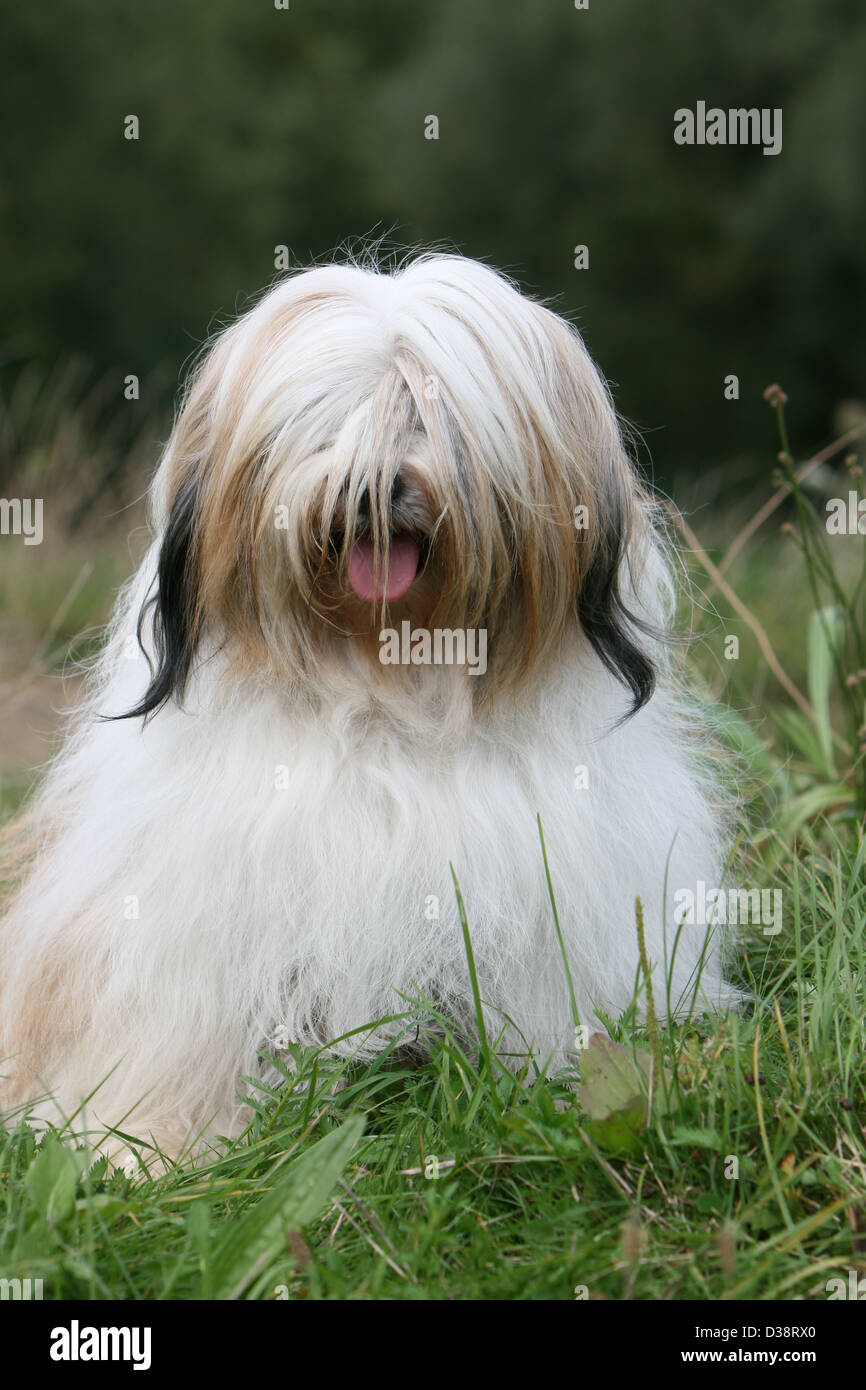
401,571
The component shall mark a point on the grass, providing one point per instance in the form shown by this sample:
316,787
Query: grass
743,1169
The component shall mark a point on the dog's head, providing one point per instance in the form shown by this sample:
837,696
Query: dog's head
363,448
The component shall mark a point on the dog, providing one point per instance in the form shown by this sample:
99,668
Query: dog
256,825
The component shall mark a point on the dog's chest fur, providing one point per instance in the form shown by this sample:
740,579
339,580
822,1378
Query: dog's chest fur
299,862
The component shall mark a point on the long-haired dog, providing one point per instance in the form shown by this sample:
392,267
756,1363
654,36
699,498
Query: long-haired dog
252,828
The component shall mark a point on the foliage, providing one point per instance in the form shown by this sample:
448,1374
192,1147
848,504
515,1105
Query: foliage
304,127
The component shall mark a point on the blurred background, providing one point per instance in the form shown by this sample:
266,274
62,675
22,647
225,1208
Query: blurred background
304,127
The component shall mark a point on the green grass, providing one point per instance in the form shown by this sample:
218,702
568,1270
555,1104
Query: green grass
452,1179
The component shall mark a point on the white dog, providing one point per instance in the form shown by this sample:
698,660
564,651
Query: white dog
251,829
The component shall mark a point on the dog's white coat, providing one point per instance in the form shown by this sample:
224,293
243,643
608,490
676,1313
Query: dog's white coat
257,862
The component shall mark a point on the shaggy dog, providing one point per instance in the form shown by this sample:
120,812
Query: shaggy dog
286,746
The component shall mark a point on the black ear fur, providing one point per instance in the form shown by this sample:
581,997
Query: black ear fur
173,605
607,622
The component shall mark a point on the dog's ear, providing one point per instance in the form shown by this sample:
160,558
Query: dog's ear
610,626
172,608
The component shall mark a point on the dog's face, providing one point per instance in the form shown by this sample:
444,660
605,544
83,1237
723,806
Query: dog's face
363,448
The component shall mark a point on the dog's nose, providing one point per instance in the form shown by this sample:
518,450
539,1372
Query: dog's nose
398,487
